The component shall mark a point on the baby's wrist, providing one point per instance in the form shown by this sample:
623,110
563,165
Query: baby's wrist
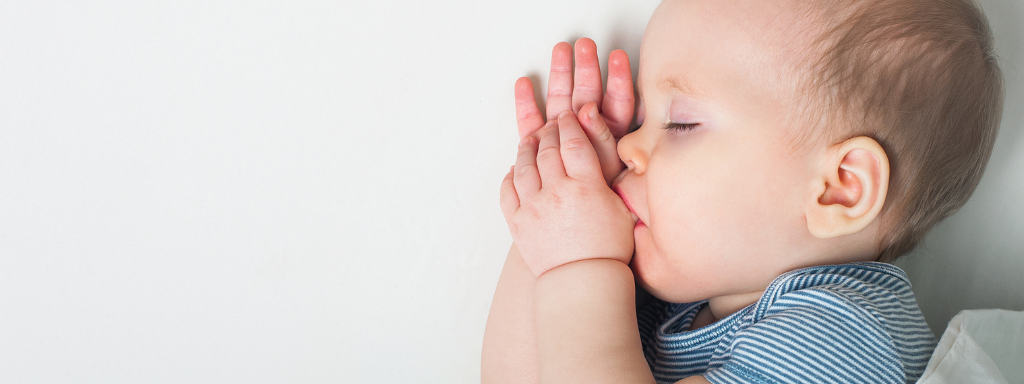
585,274
590,262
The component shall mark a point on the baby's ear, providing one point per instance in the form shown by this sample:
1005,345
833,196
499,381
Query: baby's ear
850,189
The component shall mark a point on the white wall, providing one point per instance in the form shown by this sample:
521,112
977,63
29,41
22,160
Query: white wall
307,191
975,259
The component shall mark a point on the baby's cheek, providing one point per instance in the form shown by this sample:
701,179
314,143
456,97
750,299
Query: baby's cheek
660,270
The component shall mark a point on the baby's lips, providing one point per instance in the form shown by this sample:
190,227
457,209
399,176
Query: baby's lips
632,213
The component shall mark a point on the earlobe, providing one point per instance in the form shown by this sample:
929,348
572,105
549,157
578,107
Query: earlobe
850,190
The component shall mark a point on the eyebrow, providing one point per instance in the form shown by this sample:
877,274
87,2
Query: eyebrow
677,83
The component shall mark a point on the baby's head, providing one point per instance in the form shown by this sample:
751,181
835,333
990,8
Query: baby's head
776,135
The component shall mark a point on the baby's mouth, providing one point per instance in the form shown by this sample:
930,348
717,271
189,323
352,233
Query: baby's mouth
632,212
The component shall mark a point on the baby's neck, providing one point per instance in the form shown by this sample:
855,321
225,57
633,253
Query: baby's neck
722,306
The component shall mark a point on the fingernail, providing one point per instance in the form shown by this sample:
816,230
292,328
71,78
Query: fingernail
563,114
593,112
524,141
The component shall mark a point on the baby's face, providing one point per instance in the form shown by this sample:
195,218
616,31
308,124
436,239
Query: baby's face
720,205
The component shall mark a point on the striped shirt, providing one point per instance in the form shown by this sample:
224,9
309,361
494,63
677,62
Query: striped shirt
850,323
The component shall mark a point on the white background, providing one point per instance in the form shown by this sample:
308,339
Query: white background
307,191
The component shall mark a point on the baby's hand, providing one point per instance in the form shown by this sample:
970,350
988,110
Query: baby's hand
580,92
557,204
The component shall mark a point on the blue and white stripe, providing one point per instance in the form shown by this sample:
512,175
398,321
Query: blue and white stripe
849,323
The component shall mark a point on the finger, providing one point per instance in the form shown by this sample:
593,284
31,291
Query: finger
549,158
509,199
587,77
617,105
577,153
603,141
560,80
527,114
526,179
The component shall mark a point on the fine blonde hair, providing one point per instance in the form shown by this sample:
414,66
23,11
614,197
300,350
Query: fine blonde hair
920,77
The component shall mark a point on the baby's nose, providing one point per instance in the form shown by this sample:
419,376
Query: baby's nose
632,152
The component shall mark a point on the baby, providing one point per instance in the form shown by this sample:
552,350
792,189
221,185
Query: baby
784,153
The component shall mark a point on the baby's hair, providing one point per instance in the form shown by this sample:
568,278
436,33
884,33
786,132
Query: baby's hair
920,77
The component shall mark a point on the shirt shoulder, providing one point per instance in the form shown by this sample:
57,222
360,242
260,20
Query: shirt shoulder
848,323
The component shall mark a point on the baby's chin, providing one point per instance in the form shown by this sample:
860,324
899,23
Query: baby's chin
660,284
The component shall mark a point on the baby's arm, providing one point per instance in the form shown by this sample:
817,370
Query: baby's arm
510,338
586,325
575,234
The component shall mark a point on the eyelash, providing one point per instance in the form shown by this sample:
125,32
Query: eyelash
681,127
670,126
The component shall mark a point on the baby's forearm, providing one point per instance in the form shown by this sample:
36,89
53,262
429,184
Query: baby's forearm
510,337
586,324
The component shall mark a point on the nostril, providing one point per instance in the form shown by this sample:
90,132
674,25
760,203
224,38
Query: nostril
638,168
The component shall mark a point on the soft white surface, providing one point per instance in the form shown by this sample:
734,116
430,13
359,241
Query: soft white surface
252,191
979,346
239,191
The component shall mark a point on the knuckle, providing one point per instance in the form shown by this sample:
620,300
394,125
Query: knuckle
524,149
526,215
556,200
576,143
547,153
555,92
586,89
605,135
548,129
526,112
577,189
622,97
520,170
505,192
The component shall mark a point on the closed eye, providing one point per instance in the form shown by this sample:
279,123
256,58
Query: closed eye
681,127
